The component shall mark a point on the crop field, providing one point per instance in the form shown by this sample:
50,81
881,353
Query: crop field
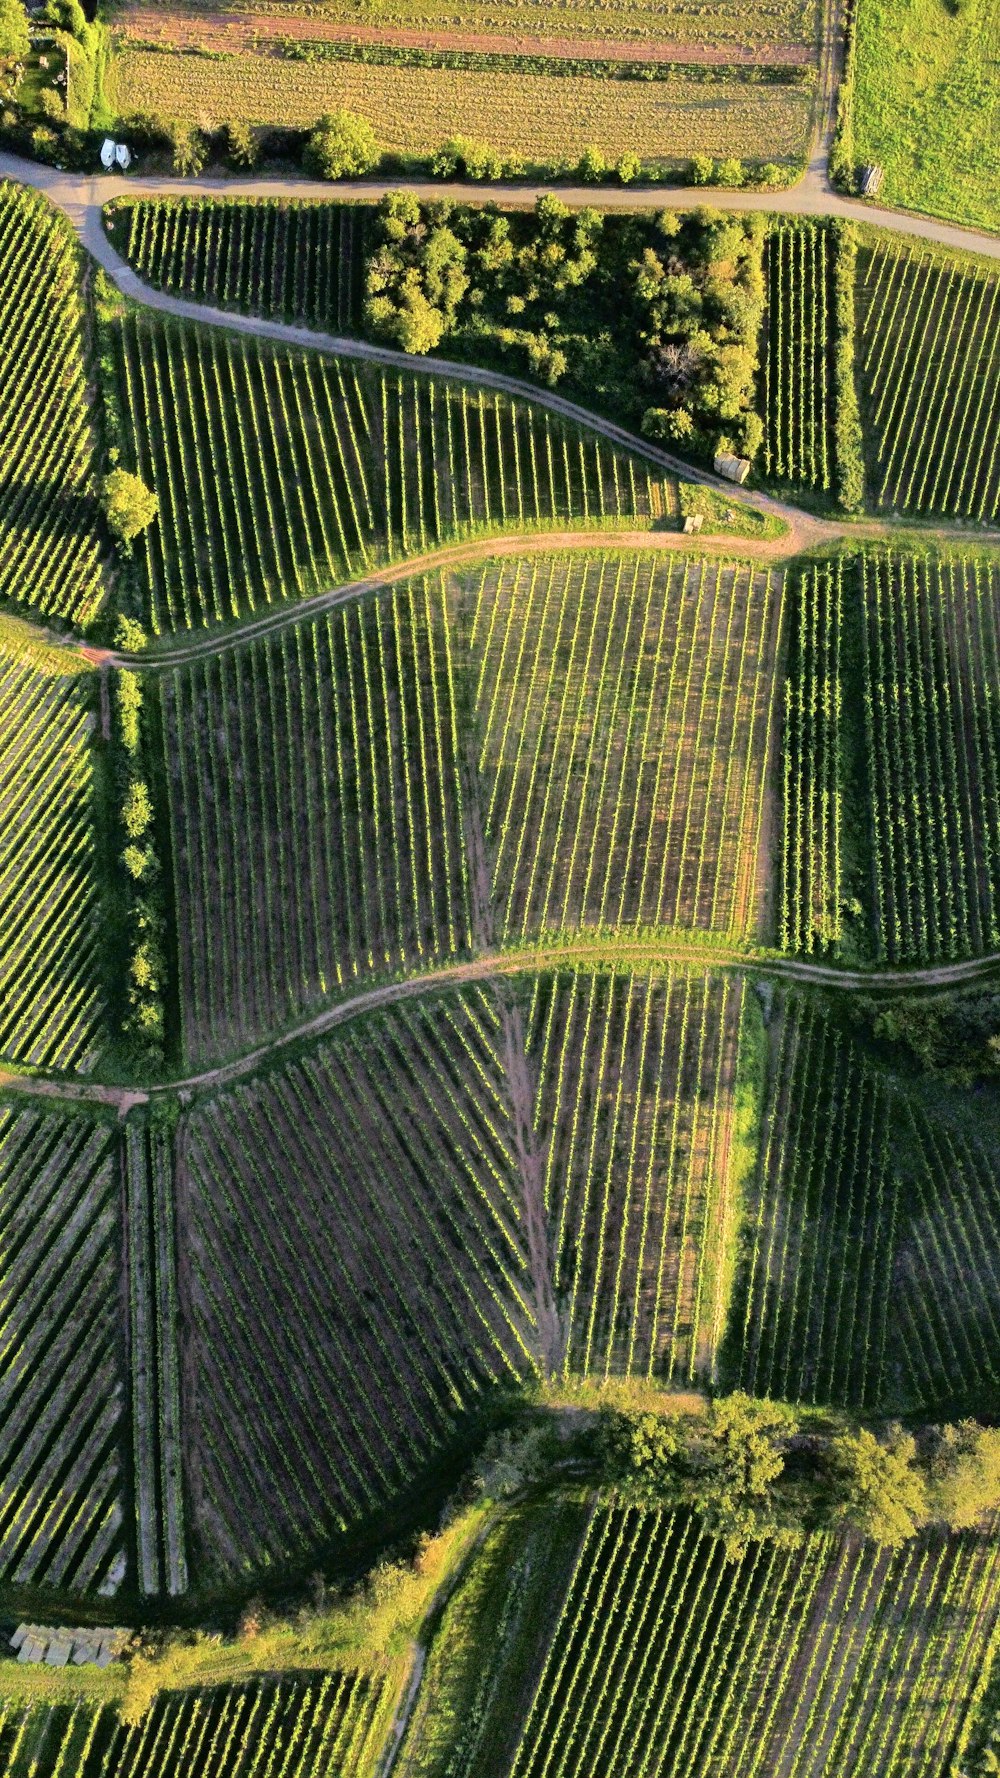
534,116
331,1363
624,714
812,791
354,861
281,473
50,549
927,88
870,1279
929,357
50,929
154,1360
293,262
832,1658
632,1118
315,1725
731,28
932,672
61,1391
799,443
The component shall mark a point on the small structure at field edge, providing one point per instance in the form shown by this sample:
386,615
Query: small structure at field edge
735,469
871,181
58,1646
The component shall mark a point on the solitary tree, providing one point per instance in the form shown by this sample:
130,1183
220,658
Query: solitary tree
342,146
14,39
879,1490
130,506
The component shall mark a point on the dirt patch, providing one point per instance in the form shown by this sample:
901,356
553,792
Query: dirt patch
258,33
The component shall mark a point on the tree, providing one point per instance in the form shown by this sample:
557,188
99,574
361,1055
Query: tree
592,166
629,168
964,1474
190,149
242,147
730,172
342,146
737,1463
642,1456
701,169
878,1489
129,505
14,39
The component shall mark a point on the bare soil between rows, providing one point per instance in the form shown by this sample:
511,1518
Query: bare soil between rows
180,28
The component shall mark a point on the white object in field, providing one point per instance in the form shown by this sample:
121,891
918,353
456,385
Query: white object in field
693,523
735,469
871,181
108,151
123,156
57,1647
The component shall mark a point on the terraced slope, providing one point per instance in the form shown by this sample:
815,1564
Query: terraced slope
62,1468
50,544
282,473
51,992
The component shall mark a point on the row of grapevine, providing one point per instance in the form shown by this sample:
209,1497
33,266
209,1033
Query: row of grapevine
285,261
932,711
359,1274
870,1278
154,1359
281,473
930,361
812,789
670,1662
49,537
624,713
633,1114
799,432
315,1725
316,811
61,1392
51,998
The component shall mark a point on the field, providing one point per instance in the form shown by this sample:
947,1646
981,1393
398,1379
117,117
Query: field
811,765
50,547
928,84
632,1122
869,1277
414,110
612,698
797,396
283,473
932,669
402,1124
294,262
316,1725
929,357
50,929
61,1389
731,27
830,1659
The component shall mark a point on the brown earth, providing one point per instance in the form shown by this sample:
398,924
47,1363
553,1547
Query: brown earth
249,32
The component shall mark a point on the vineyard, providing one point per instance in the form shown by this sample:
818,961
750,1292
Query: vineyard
833,1658
632,1120
614,774
50,929
932,672
353,861
812,789
291,262
870,1279
280,473
331,1361
929,356
624,716
798,373
315,1725
61,1390
50,546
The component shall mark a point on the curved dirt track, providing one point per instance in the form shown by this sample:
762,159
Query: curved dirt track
640,953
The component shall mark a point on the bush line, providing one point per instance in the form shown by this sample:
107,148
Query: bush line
847,414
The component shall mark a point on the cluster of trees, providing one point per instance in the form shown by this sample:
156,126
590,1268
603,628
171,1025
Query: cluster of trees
14,39
652,319
747,1469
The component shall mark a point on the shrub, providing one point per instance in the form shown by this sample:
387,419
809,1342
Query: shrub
190,149
848,435
629,169
730,173
342,146
592,166
137,809
14,39
240,145
701,169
